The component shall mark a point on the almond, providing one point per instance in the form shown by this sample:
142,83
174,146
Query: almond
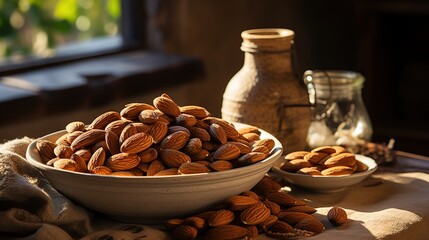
123,173
97,159
137,172
325,149
117,126
155,167
80,162
239,203
249,129
296,155
251,137
252,157
293,218
196,111
201,124
251,194
136,143
261,149
221,217
167,106
51,161
315,157
226,232
255,214
339,149
244,148
176,140
210,146
201,155
281,198
195,222
186,120
174,158
149,116
141,127
65,164
185,232
310,171
172,129
102,170
310,224
132,111
227,152
269,221
122,161
303,209
200,133
158,131
252,232
46,149
337,171
337,216
62,140
192,168
360,167
112,142
217,133
221,165
193,146
167,172
171,224
274,207
84,153
280,227
295,165
342,159
104,119
75,126
72,136
100,144
267,142
127,132
229,129
87,138
148,155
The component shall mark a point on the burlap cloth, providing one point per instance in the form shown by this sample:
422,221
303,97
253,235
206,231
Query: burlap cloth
385,206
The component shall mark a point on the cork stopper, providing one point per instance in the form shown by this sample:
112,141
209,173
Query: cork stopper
267,40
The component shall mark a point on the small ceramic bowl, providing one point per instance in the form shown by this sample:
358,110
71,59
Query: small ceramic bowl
327,183
153,199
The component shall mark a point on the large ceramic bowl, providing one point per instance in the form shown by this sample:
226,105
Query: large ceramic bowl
155,198
327,183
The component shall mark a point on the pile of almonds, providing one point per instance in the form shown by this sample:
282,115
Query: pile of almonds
155,140
323,161
265,209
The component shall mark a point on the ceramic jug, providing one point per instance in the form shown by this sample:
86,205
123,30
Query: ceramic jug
265,92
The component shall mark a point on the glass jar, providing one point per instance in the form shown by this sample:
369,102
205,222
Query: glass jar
339,116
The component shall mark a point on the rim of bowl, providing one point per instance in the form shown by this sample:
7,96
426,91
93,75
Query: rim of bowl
34,159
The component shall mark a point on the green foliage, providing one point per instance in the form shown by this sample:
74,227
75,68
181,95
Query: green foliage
38,27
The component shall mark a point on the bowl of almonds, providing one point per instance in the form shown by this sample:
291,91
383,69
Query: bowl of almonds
152,161
325,168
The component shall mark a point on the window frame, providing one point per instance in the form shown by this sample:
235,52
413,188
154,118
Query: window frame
132,36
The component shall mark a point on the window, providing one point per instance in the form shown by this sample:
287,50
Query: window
40,32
